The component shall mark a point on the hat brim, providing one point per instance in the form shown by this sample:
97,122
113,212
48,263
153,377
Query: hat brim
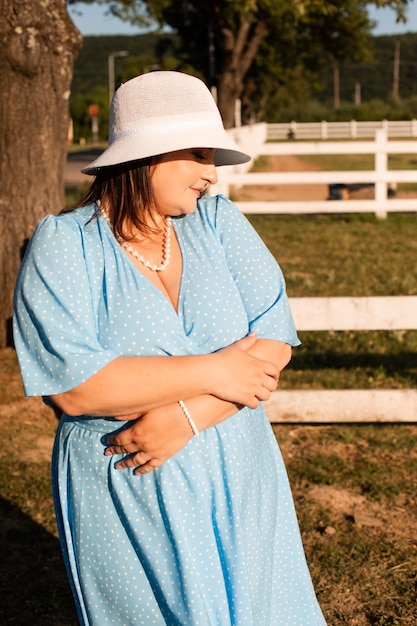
124,150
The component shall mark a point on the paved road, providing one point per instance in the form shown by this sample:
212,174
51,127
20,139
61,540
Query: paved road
76,161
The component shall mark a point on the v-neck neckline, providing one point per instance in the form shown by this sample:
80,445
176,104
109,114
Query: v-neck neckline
144,277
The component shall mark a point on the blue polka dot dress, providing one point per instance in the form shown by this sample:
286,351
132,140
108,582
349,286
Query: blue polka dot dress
211,537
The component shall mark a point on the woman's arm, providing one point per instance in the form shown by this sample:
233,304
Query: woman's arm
271,350
130,385
157,435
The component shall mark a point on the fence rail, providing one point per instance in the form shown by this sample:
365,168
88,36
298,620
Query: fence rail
348,405
340,130
367,313
342,406
381,177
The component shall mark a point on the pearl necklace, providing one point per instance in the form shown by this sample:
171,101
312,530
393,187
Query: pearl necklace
166,247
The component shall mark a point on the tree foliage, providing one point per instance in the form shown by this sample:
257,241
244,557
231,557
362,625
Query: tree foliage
246,48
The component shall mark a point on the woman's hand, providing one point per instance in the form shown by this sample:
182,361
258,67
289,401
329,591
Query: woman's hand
243,378
151,439
156,435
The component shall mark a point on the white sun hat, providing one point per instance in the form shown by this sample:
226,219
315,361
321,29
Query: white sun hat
161,112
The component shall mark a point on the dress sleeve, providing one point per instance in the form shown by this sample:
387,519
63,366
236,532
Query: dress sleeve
257,275
54,323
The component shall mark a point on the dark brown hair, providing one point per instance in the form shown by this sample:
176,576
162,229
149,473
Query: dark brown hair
126,193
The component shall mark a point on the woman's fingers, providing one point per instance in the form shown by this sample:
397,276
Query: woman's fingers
125,441
261,391
247,342
140,462
132,460
147,467
127,448
150,440
242,377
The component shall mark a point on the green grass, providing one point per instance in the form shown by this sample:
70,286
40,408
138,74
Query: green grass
345,162
353,162
347,255
353,360
364,473
343,255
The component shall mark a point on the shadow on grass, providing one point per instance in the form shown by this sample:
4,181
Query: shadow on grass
403,363
33,583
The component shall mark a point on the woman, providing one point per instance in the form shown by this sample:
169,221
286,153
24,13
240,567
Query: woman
153,316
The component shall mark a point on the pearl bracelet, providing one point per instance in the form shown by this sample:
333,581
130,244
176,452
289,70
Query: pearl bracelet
189,418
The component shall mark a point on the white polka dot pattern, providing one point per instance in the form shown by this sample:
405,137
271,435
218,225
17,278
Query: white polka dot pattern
211,537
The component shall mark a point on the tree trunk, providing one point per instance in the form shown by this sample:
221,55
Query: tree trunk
228,90
39,44
240,50
336,86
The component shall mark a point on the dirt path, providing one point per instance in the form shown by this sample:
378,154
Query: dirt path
287,193
284,193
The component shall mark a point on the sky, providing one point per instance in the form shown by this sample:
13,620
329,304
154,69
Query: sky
92,20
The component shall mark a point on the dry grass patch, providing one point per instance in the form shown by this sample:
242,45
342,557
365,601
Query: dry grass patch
354,488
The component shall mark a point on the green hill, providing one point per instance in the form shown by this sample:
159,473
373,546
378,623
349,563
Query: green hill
376,78
91,66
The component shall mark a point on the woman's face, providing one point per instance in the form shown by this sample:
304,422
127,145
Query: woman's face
180,178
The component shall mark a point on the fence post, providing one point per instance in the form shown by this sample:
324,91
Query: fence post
353,129
381,168
323,130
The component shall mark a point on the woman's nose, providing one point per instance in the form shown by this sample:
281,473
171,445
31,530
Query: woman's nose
210,175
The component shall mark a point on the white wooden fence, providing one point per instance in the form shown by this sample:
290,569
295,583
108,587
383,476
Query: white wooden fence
381,177
364,405
341,130
384,313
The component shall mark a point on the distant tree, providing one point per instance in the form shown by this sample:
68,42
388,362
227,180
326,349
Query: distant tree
293,54
341,32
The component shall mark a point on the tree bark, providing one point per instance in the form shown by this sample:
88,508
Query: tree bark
39,44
